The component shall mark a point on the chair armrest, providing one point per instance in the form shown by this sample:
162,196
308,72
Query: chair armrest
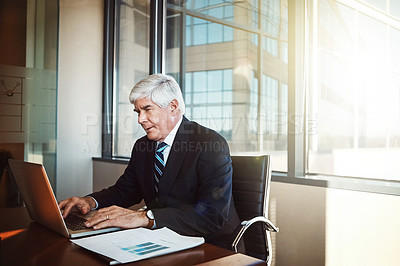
270,226
246,224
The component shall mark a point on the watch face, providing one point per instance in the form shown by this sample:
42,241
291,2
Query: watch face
150,215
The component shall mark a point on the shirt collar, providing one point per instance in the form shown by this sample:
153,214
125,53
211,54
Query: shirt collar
171,136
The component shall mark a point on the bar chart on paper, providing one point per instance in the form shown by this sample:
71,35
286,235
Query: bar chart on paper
144,248
138,244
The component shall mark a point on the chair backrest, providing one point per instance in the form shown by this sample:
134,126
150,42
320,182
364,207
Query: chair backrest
250,188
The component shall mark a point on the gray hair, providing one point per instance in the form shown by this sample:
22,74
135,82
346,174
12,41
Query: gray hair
159,88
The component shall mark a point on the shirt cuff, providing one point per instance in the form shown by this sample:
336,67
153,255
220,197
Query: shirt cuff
154,225
95,201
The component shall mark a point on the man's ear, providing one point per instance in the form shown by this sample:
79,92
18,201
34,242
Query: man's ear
174,106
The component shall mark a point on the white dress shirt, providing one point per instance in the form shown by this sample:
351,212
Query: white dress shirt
169,140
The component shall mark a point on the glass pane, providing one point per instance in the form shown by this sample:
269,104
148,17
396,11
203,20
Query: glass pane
395,8
132,65
394,43
173,43
173,33
215,79
271,46
199,98
219,8
199,34
28,89
214,97
380,4
271,17
353,120
215,33
222,77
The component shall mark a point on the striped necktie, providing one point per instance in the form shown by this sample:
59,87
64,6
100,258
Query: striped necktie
159,165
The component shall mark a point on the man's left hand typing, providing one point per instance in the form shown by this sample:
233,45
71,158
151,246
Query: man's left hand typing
115,216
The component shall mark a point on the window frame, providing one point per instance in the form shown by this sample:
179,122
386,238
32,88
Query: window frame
297,100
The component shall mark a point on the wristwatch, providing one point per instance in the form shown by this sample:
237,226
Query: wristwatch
150,215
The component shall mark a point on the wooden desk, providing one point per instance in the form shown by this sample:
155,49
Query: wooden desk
24,242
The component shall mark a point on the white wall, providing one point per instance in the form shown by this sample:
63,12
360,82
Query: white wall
326,226
79,95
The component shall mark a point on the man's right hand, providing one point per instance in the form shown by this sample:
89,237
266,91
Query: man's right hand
83,204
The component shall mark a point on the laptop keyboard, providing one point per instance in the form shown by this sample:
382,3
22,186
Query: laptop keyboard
74,222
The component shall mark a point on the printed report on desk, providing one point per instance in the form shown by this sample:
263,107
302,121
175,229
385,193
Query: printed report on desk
137,244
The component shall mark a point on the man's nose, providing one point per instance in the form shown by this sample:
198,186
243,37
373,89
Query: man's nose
141,118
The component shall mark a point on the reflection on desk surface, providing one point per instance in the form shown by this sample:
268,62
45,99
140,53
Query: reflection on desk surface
28,243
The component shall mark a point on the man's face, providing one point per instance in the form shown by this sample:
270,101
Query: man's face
154,119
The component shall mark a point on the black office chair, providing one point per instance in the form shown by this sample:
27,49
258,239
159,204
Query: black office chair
250,189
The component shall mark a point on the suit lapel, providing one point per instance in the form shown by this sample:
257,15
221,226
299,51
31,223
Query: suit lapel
175,159
149,168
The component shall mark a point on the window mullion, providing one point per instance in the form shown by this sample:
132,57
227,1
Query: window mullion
157,36
296,88
108,70
261,111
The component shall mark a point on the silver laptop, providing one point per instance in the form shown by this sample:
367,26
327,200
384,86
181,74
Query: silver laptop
42,206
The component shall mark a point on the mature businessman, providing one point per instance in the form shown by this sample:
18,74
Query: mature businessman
182,170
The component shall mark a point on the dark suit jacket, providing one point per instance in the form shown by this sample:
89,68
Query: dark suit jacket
195,191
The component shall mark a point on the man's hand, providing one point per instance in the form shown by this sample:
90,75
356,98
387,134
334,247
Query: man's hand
83,204
118,217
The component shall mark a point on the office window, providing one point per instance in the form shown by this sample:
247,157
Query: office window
355,90
324,105
223,61
394,8
200,32
231,59
271,107
221,9
131,64
208,98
